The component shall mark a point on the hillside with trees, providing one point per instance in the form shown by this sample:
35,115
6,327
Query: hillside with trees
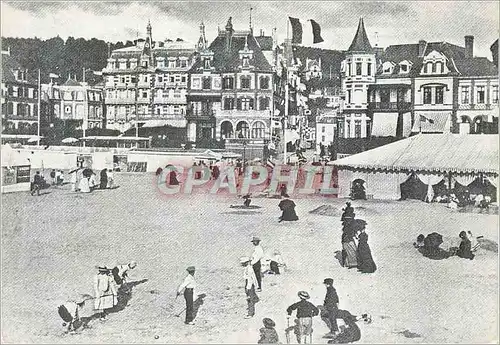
63,58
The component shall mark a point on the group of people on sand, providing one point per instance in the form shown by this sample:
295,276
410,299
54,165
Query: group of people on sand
355,255
108,283
429,246
252,276
85,180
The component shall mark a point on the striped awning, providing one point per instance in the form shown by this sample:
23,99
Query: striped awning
160,123
384,124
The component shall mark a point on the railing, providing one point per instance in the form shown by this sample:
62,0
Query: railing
169,100
389,105
128,100
244,113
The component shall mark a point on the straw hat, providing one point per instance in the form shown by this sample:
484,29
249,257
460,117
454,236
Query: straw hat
303,295
132,264
244,259
255,239
190,269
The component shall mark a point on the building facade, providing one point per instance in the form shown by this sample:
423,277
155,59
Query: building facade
433,87
146,84
74,101
358,73
19,98
231,90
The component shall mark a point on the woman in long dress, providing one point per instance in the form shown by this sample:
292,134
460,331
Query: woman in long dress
365,260
105,291
103,183
348,245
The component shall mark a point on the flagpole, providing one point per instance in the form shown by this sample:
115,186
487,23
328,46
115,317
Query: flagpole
285,123
39,104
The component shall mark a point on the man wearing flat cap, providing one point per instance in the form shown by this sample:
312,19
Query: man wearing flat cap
188,286
331,306
257,256
305,312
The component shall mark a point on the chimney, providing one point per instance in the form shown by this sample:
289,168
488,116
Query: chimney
229,33
469,47
421,48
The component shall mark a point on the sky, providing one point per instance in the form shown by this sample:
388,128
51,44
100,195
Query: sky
386,22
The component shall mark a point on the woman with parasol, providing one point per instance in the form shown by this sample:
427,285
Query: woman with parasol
364,254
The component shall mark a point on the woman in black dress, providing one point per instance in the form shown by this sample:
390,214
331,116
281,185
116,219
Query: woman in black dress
365,260
104,179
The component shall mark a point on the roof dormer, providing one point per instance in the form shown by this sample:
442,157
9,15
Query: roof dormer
246,56
387,67
405,66
434,63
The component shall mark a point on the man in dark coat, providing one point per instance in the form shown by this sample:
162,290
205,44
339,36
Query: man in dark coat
305,312
331,306
37,184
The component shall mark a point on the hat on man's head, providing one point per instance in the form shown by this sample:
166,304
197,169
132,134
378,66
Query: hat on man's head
303,294
244,259
268,322
328,281
132,264
102,268
190,269
255,239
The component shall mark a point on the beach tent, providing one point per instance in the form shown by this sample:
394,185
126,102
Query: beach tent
431,157
16,170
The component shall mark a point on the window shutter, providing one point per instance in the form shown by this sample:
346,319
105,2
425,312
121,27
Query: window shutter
238,104
251,103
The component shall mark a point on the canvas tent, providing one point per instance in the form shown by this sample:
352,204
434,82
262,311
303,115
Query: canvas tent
431,157
15,170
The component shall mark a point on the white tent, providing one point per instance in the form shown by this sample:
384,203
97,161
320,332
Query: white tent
433,157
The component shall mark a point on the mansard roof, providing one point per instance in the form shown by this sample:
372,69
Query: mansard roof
9,65
229,60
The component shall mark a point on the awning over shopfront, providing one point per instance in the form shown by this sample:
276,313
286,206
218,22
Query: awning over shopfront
431,122
384,124
180,123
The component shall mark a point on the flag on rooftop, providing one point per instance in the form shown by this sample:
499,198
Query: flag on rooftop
302,26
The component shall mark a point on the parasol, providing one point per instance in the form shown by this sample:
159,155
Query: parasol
69,140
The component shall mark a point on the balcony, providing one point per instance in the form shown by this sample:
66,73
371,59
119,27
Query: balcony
111,101
206,114
398,106
244,113
169,100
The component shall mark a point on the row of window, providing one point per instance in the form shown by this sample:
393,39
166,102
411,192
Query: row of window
130,94
21,91
243,130
246,103
356,69
122,111
160,63
144,78
228,83
465,94
20,109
